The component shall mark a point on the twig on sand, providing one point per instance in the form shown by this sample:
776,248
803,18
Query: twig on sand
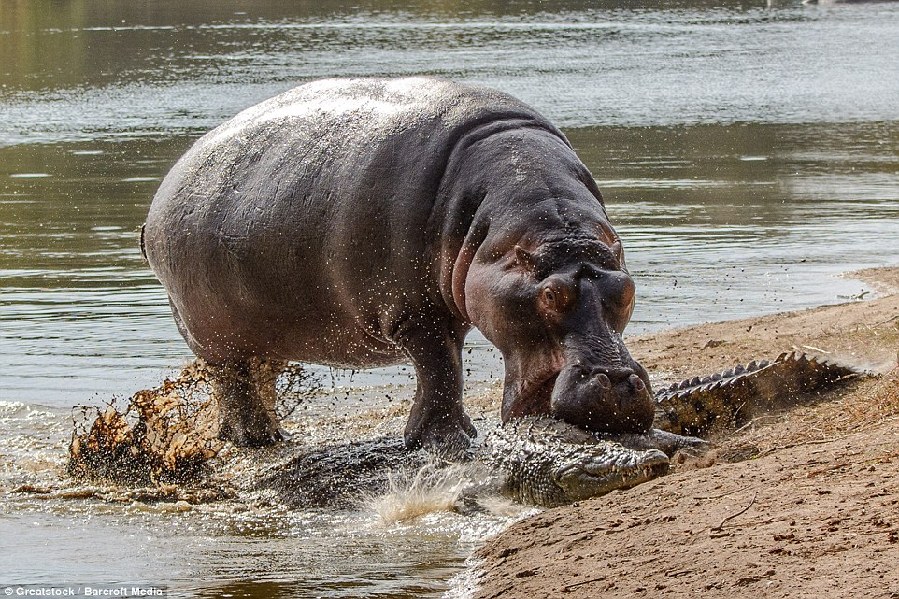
776,448
754,420
574,585
732,516
877,324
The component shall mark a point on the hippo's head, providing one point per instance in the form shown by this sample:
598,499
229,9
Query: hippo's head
555,306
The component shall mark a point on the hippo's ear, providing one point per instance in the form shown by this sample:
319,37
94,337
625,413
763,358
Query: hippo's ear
524,259
618,251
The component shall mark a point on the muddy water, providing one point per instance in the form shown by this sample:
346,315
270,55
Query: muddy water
748,155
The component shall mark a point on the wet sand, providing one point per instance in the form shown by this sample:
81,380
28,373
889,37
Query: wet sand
799,503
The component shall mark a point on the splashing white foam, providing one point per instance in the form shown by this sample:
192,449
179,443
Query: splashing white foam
466,583
428,490
503,507
8,408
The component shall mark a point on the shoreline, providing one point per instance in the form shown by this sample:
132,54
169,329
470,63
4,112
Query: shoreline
818,484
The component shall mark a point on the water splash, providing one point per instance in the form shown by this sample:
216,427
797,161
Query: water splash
429,489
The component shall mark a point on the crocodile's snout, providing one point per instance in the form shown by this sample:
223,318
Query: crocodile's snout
548,462
606,466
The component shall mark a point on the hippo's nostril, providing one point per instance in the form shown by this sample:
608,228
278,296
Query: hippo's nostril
637,383
603,381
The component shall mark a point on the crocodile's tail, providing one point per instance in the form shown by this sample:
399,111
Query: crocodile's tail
699,406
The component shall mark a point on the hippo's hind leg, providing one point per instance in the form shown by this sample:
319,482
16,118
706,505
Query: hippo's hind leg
437,420
245,393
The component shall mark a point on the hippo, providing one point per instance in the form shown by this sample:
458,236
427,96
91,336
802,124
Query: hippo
366,222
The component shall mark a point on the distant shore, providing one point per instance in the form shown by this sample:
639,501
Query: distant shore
800,503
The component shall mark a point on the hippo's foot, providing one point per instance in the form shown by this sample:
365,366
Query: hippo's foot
255,433
447,437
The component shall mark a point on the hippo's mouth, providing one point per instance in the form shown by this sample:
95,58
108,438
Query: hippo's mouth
534,395
542,392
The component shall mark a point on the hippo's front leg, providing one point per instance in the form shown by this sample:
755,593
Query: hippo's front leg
437,420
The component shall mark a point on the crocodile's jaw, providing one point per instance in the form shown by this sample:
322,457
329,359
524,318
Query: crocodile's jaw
606,467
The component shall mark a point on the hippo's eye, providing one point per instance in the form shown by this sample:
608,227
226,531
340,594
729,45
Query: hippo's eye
555,297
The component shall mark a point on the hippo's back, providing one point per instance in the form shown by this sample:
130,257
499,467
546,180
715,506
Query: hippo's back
312,207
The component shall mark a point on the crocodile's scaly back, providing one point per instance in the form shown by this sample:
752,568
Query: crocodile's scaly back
700,406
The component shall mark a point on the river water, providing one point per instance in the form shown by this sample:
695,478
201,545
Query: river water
749,154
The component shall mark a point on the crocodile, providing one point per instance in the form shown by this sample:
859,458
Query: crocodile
546,462
535,460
